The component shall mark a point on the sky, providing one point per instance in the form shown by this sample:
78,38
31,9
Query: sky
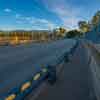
45,14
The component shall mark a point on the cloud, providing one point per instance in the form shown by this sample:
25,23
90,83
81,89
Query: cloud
68,14
35,22
17,16
7,10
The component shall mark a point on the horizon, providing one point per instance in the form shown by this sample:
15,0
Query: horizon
45,14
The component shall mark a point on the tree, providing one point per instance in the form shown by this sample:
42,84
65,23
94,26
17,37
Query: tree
96,20
59,32
62,30
73,33
84,26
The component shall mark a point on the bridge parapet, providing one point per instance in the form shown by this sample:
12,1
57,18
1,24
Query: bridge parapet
94,64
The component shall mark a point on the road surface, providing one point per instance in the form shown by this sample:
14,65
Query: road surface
18,63
73,83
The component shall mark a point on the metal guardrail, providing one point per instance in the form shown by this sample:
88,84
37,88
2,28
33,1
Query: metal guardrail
46,73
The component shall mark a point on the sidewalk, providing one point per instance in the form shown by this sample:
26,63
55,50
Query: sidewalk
73,81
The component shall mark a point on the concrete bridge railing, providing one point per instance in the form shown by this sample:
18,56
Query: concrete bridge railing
94,64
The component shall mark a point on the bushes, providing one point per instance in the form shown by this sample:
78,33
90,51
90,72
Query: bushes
73,34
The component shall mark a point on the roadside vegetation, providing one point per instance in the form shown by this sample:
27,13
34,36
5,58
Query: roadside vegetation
22,36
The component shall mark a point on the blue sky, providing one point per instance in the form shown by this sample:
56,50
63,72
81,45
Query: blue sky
45,14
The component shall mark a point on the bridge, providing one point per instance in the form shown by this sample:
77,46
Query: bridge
68,58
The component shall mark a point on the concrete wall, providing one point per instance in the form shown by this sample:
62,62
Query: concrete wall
94,60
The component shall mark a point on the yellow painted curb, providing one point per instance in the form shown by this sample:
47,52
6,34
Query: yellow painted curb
25,86
11,97
37,76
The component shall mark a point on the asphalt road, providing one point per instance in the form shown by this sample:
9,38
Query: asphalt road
74,81
18,63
